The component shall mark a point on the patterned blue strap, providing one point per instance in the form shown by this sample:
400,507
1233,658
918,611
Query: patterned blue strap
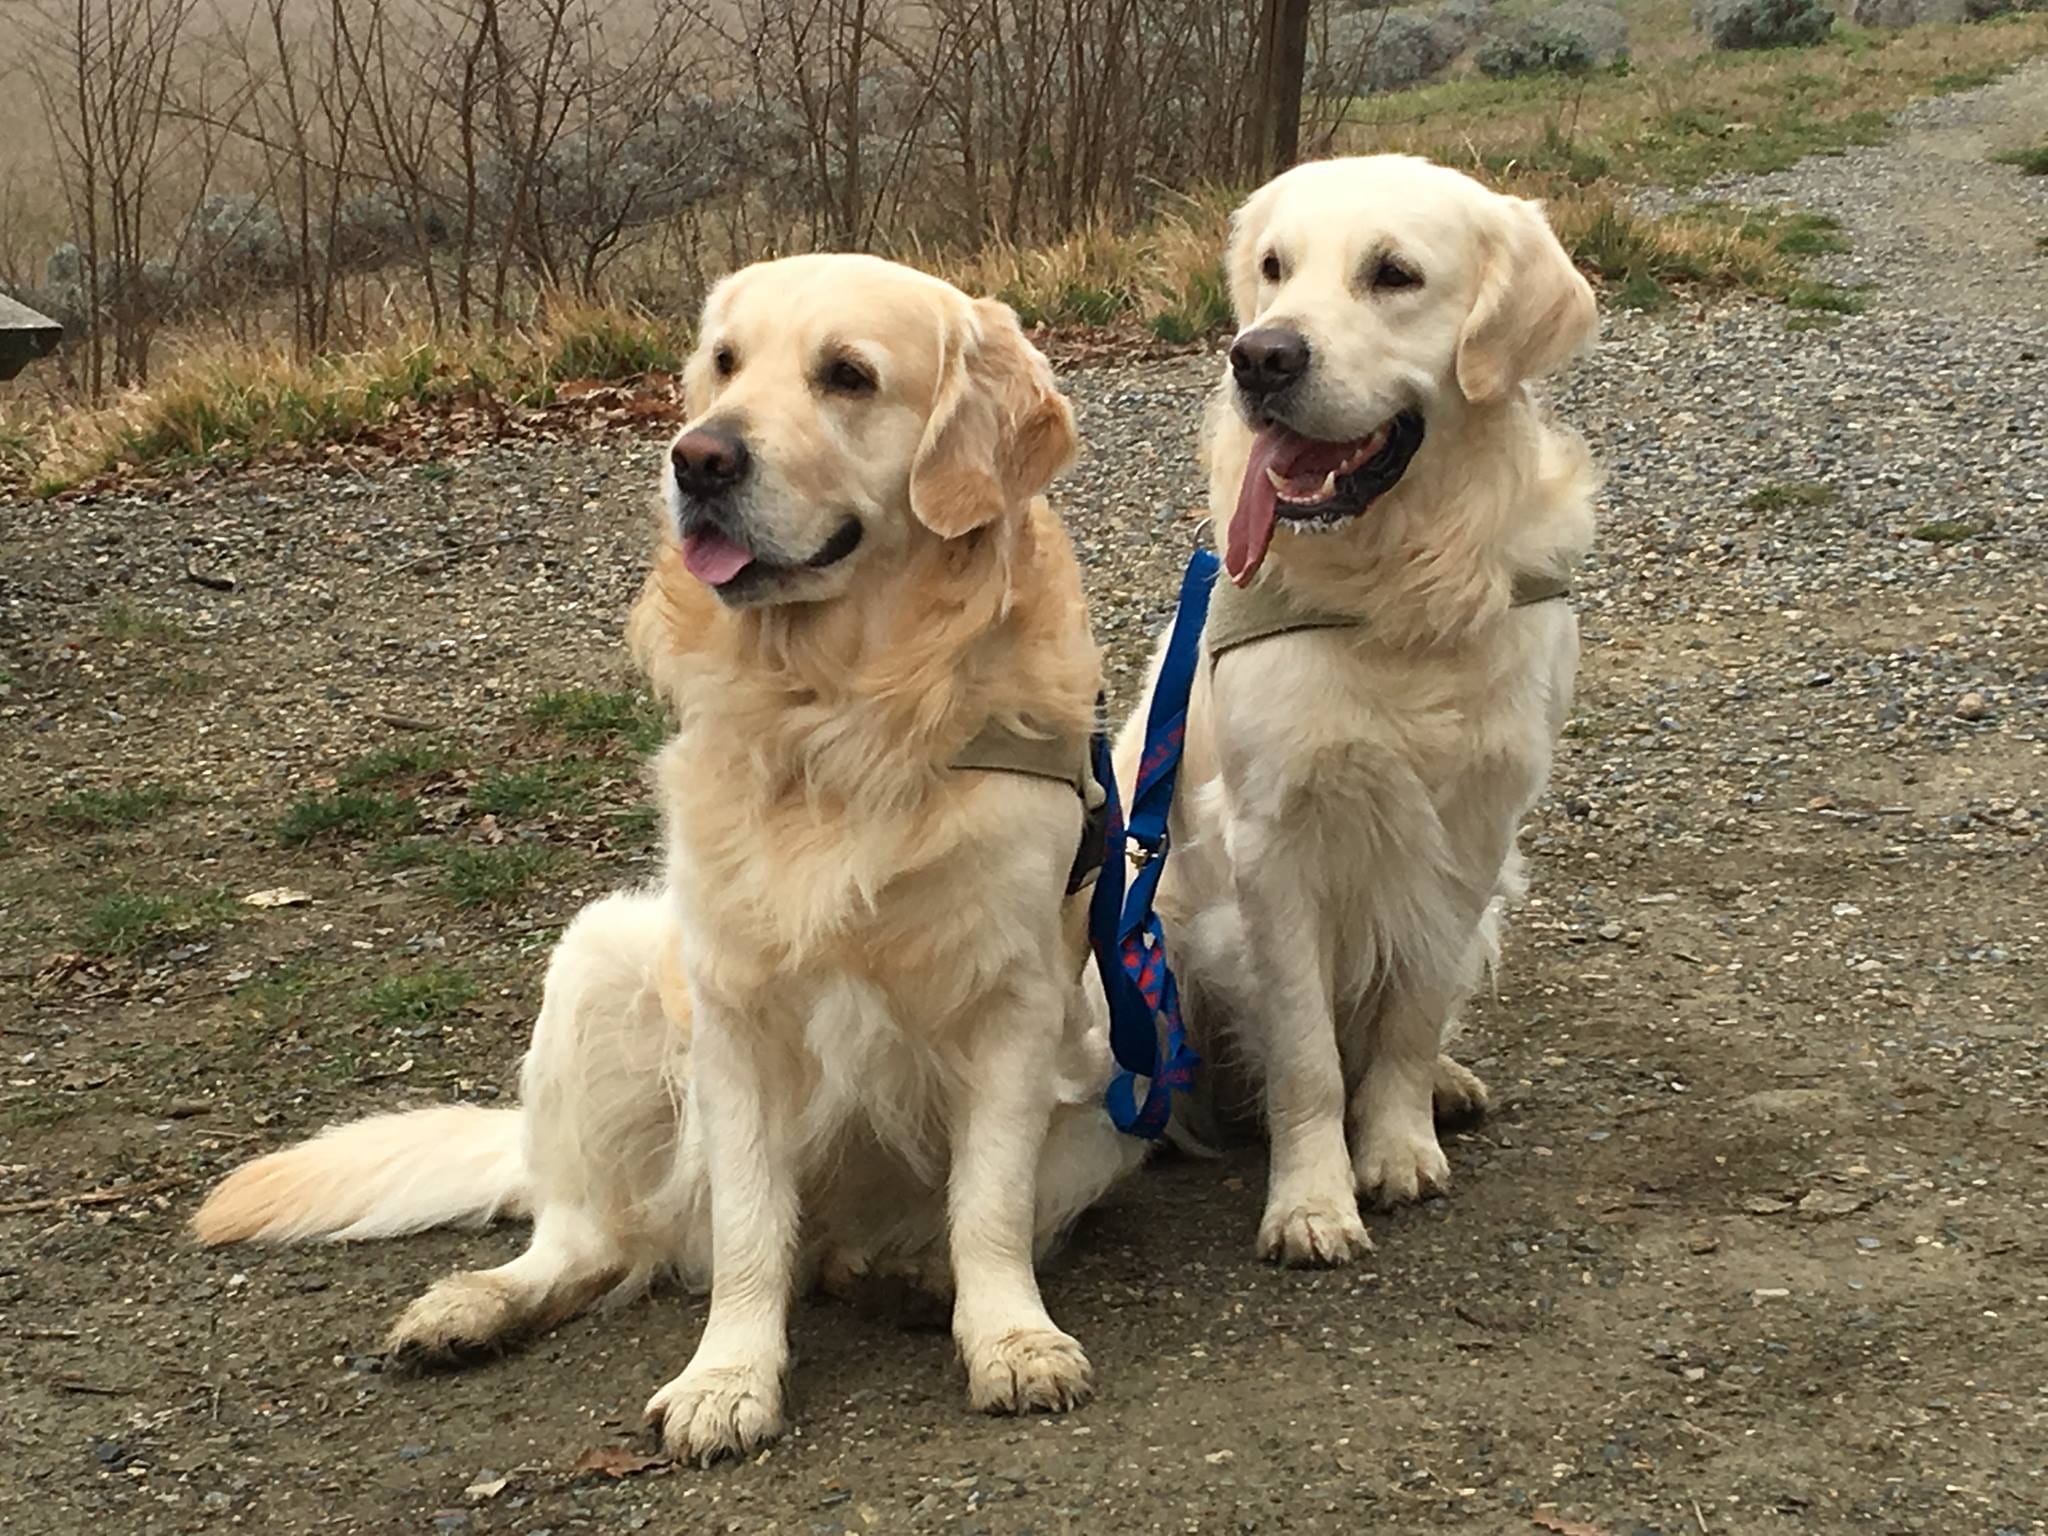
1146,1035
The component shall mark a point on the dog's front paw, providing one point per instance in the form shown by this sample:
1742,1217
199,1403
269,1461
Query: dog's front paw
1313,1234
717,1410
1028,1370
463,1316
1397,1167
1458,1096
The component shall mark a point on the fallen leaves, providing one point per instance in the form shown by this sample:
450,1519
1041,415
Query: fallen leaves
606,1461
278,896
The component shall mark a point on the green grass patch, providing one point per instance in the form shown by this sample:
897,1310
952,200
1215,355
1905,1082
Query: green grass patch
1200,309
1792,493
349,815
1827,298
1639,290
423,997
103,810
405,853
1947,530
634,720
404,762
2034,162
561,787
491,877
131,923
637,826
125,621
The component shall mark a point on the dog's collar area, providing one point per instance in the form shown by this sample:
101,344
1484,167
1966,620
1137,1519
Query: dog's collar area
1245,615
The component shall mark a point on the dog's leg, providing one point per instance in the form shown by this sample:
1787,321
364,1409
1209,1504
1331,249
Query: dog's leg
600,1130
1311,1211
1406,1078
571,1261
728,1402
1017,1360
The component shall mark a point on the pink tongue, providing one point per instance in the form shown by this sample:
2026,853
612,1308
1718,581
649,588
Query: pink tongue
713,558
1251,526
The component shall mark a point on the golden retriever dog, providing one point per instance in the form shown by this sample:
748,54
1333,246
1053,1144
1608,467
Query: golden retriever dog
847,1034
1399,512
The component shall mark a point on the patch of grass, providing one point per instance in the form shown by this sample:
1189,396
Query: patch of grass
1792,493
635,720
102,810
123,620
131,923
1641,291
1947,530
238,404
2034,162
185,683
438,472
403,762
637,826
588,341
559,786
491,877
424,997
346,815
1828,298
1798,234
405,853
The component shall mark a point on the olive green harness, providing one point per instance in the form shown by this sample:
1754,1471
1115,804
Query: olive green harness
1240,615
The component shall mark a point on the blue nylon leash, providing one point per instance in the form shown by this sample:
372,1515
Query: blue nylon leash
1146,1035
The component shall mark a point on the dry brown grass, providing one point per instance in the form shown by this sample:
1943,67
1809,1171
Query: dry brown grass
1677,117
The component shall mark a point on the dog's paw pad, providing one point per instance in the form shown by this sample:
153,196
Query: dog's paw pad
1313,1234
710,1412
1397,1170
1029,1370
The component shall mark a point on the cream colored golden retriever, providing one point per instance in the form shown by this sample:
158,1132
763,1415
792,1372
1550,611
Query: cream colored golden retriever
1384,694
847,1034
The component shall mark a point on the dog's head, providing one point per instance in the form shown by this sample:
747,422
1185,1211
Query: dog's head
1378,298
842,409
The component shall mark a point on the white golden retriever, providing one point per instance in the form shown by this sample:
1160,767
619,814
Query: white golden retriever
1400,507
848,1034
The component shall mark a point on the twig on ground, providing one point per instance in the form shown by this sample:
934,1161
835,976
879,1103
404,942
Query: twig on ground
89,1197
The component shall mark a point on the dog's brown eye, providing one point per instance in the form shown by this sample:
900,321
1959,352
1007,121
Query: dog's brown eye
845,377
1391,274
1270,268
725,361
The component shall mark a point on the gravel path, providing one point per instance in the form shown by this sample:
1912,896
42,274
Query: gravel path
1754,1244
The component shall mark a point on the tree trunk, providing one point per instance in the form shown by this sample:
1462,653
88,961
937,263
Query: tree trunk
1273,130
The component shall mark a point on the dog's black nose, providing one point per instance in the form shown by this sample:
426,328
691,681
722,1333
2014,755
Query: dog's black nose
1266,361
709,461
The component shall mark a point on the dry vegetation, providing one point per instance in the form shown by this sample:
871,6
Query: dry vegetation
310,228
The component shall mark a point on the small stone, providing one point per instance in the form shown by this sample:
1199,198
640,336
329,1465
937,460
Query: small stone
414,1452
1769,1293
1973,706
1611,931
1218,1458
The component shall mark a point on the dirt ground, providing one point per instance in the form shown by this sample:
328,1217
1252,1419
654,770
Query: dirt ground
1755,1241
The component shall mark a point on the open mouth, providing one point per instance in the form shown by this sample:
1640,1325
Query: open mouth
736,572
1311,485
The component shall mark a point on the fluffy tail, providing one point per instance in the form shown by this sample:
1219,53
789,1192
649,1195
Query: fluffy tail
380,1177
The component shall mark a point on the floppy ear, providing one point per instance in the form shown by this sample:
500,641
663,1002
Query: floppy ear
999,430
1533,311
1240,260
